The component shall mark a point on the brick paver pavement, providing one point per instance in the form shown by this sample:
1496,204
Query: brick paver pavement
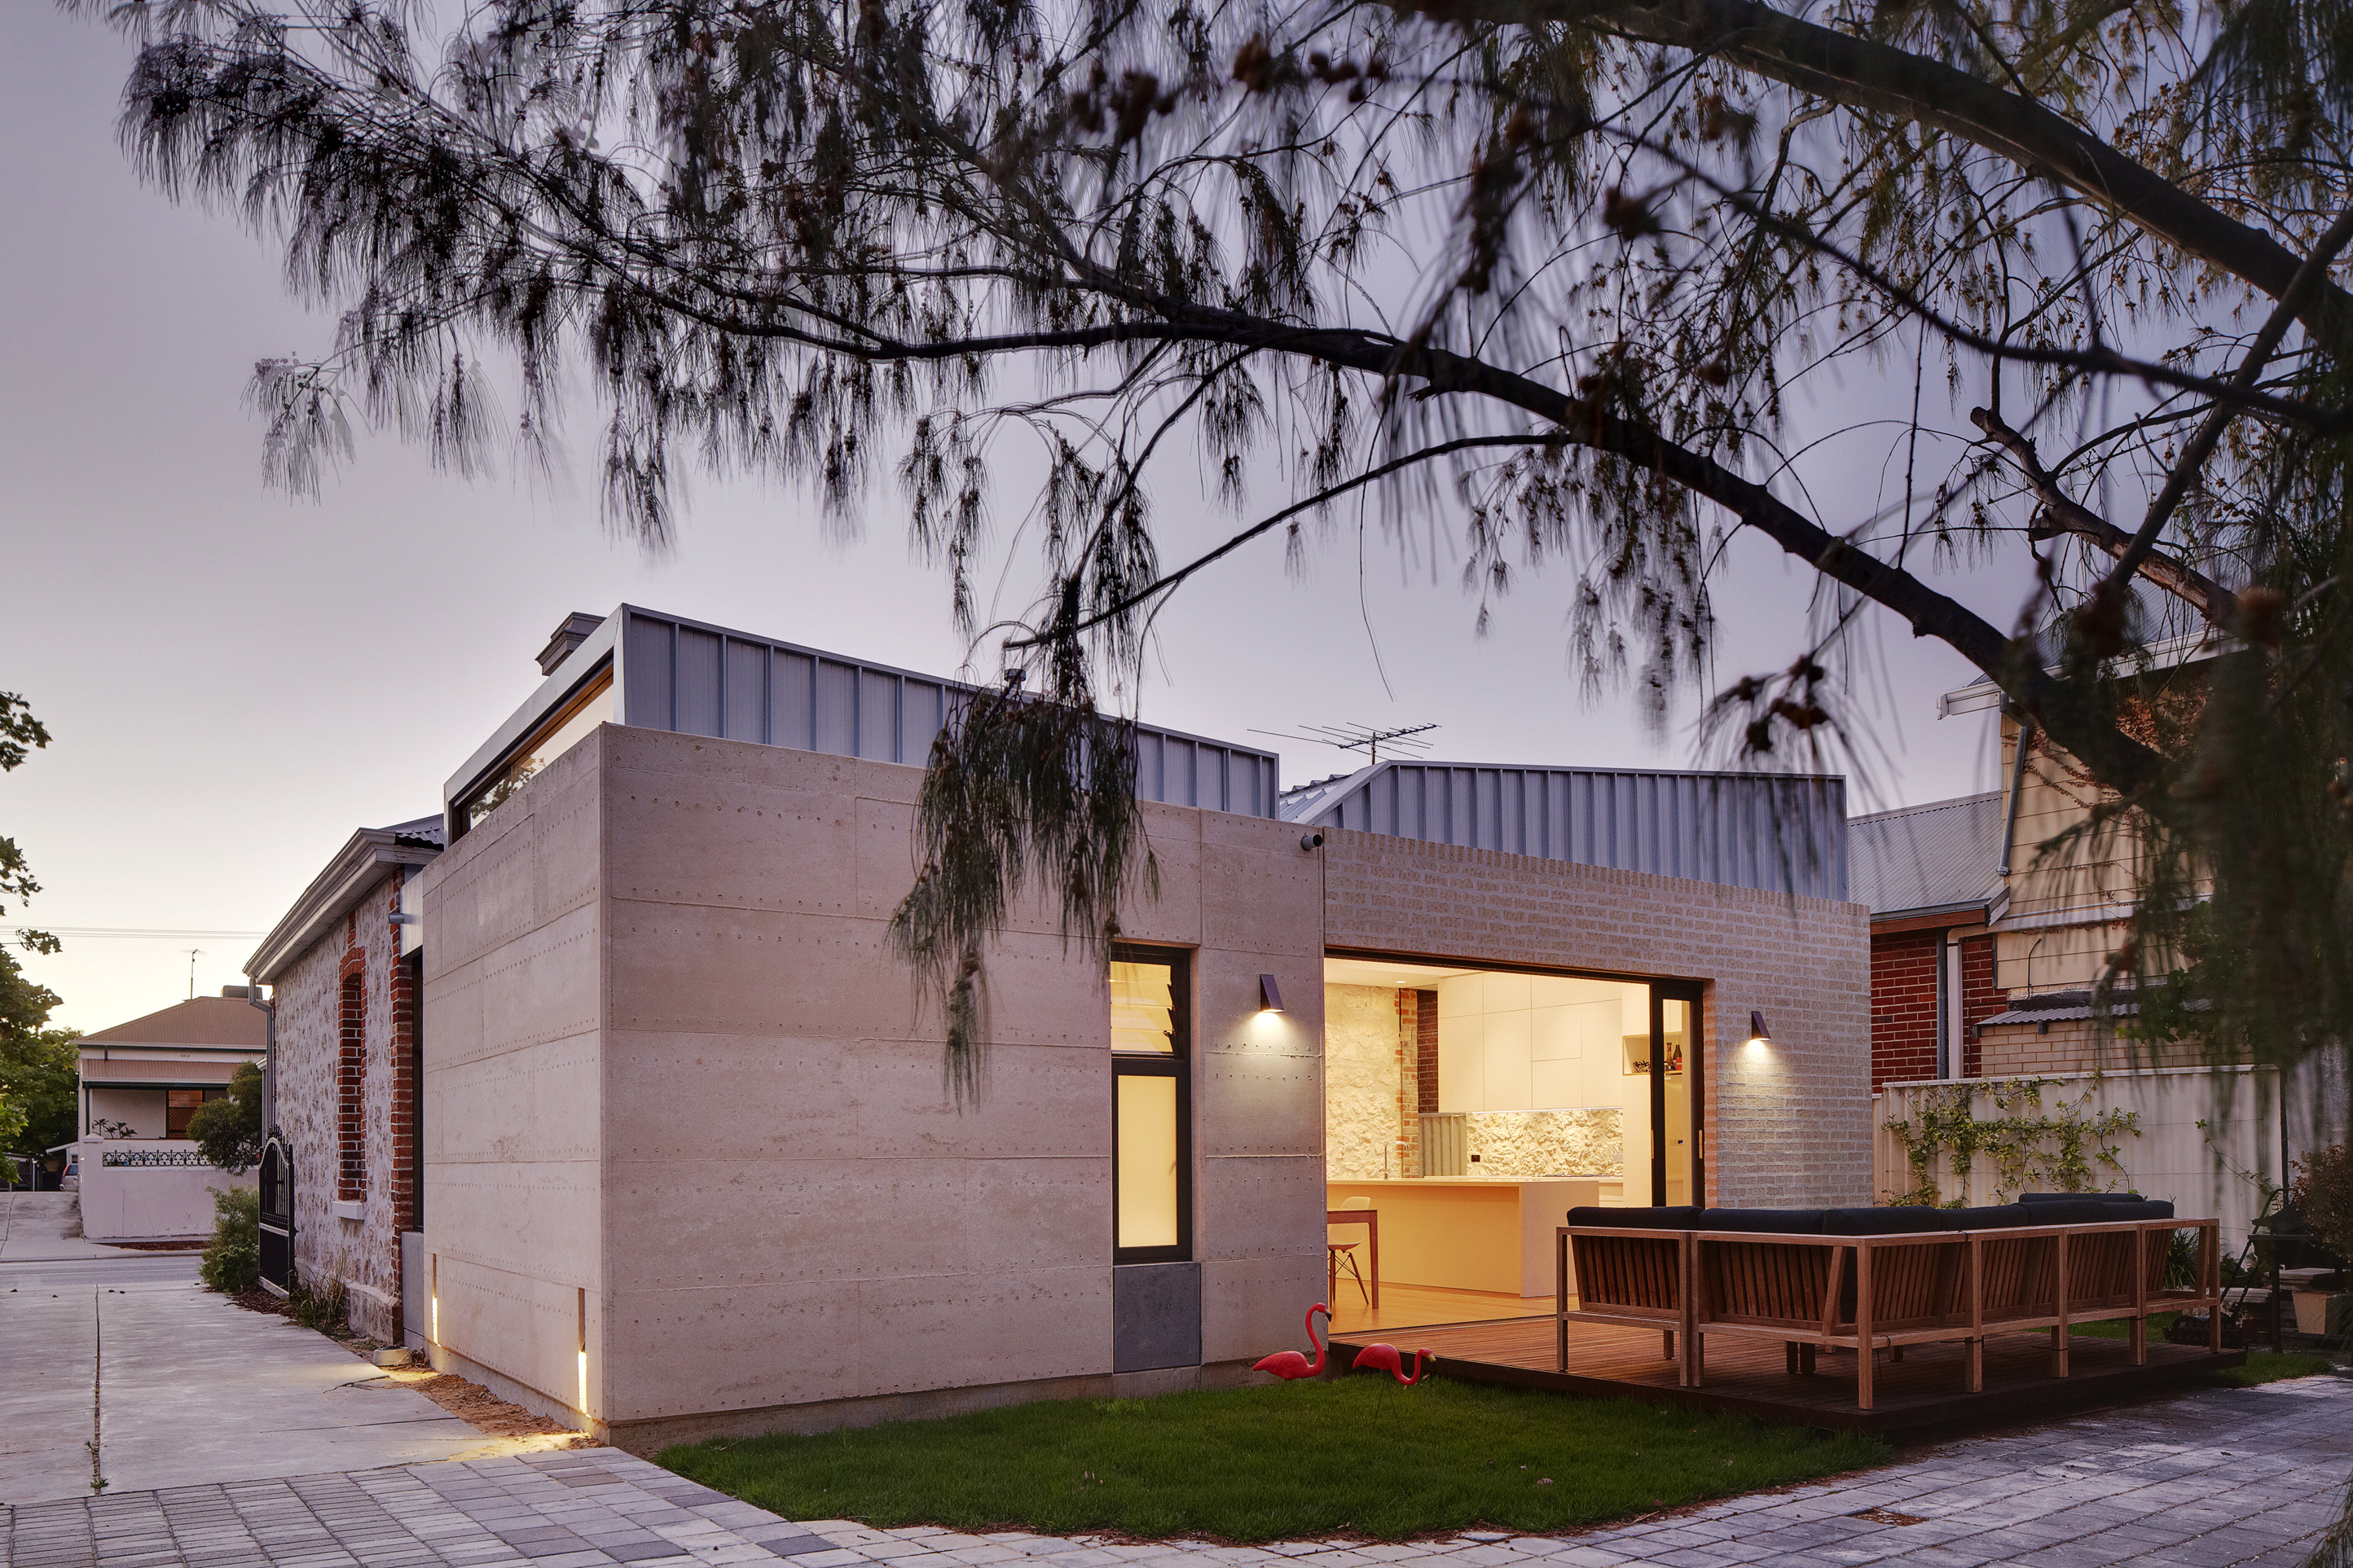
2214,1480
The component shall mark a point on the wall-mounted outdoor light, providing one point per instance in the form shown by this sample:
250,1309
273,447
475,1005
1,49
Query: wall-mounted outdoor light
1269,994
1759,1035
1311,842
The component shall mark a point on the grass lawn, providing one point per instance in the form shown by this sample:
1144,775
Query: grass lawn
1356,1454
2263,1366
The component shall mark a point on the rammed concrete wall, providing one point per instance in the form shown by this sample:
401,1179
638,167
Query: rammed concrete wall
513,1092
678,1083
1786,1125
363,1253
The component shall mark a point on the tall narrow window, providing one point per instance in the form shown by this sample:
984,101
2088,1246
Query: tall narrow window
351,1096
1152,1107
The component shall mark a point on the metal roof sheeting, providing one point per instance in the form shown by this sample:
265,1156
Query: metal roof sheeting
697,680
1944,855
1775,833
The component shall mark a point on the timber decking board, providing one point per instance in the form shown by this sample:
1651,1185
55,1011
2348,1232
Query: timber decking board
1749,1375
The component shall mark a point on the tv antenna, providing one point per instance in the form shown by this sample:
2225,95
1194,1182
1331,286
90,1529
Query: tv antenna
1361,738
192,971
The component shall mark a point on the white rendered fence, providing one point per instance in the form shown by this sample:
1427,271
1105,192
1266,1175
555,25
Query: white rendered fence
2150,1117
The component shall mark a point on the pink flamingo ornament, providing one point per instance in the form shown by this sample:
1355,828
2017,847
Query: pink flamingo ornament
1384,1358
1290,1365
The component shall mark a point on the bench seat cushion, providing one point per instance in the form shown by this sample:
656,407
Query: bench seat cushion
1909,1220
1681,1216
1780,1222
2072,1197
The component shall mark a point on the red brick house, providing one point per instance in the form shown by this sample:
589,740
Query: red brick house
1932,876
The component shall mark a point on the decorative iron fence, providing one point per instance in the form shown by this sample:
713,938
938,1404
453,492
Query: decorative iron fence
183,1158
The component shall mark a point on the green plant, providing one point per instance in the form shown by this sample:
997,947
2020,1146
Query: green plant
233,1260
2323,1191
2064,1147
228,1129
328,1311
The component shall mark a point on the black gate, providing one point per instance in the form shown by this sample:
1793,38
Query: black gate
277,1215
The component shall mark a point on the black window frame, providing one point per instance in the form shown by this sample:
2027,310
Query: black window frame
1178,1064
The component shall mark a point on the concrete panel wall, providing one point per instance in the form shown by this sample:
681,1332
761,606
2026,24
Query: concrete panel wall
801,1228
1786,1125
514,1091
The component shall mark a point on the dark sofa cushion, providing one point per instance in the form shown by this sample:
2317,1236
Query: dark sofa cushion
1994,1217
2074,1211
1769,1222
1909,1220
2073,1197
1681,1216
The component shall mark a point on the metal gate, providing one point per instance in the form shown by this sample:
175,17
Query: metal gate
277,1183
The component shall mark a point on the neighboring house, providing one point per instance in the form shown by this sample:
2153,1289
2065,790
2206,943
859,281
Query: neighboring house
1932,878
141,1081
139,1177
688,1166
339,1175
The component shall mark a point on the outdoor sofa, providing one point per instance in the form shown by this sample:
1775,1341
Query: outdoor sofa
1867,1279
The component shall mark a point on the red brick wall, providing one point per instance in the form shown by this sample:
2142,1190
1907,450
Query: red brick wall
351,1087
1904,1006
1981,999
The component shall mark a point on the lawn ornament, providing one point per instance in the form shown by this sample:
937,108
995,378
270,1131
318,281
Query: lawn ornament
1384,1358
1290,1365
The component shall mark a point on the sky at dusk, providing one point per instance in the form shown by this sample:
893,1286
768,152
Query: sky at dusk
236,682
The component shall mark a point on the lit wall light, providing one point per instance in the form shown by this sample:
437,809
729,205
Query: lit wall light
1269,994
581,1319
1760,1036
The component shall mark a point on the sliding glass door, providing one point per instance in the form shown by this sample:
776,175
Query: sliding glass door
1678,1089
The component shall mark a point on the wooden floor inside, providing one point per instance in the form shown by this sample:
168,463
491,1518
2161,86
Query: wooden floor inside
1409,1306
1750,1376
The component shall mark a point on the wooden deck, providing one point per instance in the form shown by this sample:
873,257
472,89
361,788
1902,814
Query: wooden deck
1924,1390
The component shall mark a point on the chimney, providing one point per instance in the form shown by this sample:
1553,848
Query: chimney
238,990
577,628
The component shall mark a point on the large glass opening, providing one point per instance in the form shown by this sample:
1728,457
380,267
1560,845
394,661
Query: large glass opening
1150,1045
568,726
1467,1110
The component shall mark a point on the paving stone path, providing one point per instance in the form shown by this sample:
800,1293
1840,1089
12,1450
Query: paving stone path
2214,1480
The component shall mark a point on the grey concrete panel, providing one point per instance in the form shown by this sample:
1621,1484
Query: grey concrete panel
1156,1316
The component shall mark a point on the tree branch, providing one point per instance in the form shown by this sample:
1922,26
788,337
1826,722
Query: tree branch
1880,79
2062,513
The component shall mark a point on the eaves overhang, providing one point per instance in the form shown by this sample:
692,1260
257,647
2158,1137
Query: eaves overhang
357,868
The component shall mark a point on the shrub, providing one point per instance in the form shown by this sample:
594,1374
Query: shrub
228,1129
233,1260
328,1311
2323,1191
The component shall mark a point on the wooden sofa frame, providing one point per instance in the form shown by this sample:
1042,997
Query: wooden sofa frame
1868,1293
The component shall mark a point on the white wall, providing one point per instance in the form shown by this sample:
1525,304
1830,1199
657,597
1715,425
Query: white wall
148,1202
142,1109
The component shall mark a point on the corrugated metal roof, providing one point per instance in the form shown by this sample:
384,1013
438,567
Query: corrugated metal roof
684,676
423,830
1944,855
200,1021
1776,833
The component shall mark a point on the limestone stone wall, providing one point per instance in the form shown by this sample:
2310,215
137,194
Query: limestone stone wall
363,1253
1586,1142
1360,1082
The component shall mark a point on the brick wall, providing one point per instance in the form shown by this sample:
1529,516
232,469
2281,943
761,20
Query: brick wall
318,1033
1788,1124
1409,1078
1904,1006
1981,999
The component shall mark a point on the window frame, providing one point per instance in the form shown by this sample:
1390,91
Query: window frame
1177,1064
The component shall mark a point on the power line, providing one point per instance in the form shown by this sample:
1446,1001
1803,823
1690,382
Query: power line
137,933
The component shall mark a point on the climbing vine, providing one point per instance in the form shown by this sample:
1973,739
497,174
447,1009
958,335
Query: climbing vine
2062,1148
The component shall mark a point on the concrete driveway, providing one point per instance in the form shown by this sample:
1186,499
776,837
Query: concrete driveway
121,1368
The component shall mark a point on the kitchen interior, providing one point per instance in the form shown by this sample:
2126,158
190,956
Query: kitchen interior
1468,1109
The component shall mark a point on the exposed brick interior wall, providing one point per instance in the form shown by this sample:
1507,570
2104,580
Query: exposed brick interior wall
1904,1006
400,1159
351,1091
1409,1078
313,1047
1425,1062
